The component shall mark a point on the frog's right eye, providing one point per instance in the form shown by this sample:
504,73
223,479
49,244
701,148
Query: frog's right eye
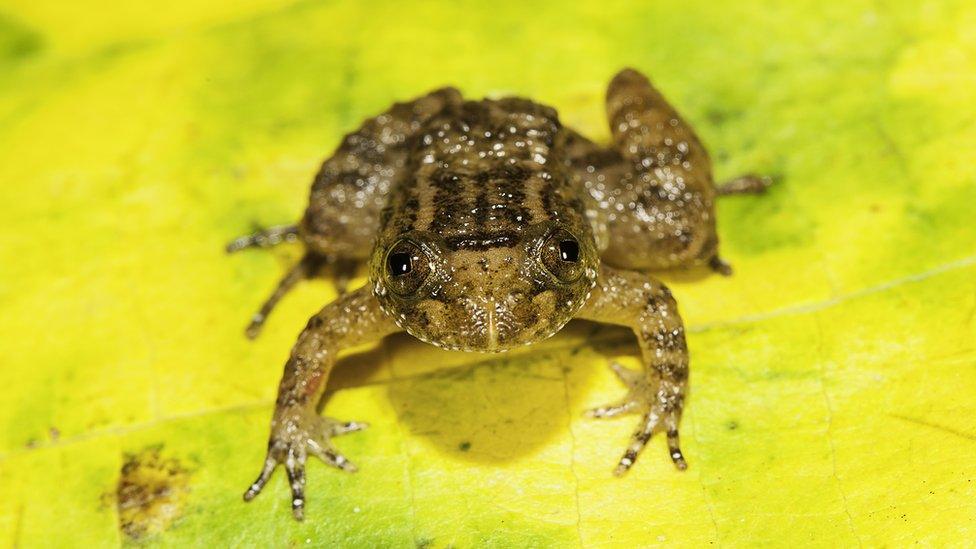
399,263
407,266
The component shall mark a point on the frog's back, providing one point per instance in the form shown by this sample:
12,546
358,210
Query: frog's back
481,173
354,184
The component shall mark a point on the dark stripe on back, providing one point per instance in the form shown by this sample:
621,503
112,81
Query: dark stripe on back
506,185
449,201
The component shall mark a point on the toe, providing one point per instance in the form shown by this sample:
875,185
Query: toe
328,454
295,466
269,466
612,410
338,460
674,450
341,428
637,443
626,375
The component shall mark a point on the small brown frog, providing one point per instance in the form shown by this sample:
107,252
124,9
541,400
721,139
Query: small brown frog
488,225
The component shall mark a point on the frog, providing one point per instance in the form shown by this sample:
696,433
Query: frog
487,225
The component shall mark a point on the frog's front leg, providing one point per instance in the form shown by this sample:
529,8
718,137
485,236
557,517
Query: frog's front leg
296,428
646,306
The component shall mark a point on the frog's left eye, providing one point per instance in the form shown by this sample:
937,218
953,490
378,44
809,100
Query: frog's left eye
407,266
569,250
561,256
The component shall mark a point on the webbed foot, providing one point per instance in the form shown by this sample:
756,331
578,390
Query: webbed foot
294,435
660,408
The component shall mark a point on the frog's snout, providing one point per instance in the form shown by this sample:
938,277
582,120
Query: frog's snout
495,320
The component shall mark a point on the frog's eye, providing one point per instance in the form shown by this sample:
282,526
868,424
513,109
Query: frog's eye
561,256
399,263
407,266
569,250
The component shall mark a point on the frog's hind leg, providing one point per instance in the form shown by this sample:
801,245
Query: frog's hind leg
664,192
745,184
666,154
267,238
306,268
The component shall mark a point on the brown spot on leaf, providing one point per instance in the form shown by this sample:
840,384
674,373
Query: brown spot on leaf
151,493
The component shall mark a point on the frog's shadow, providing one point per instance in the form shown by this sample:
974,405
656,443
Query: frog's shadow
493,408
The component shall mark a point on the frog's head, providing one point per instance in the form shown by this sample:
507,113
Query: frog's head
489,292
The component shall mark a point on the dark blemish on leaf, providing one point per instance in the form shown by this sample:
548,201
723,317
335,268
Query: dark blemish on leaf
151,492
424,543
17,41
732,425
116,50
718,115
464,446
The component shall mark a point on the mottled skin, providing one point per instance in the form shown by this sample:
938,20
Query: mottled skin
487,226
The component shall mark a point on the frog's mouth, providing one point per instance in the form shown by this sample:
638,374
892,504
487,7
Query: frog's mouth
490,342
484,324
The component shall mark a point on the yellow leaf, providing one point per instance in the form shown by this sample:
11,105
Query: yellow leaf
832,377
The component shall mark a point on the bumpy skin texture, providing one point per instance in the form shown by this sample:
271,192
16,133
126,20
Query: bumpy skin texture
483,199
491,226
352,186
652,195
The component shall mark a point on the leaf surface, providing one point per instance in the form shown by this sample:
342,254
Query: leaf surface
832,375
